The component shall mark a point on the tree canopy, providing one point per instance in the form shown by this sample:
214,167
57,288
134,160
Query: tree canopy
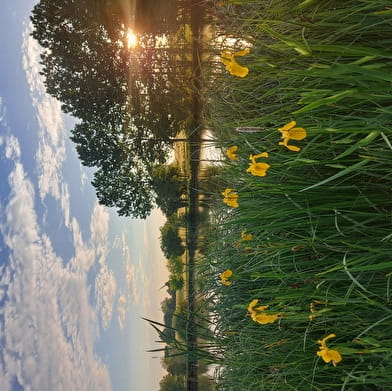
130,102
171,244
172,383
169,186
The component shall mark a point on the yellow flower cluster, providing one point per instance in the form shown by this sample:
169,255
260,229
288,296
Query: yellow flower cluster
230,198
246,237
259,315
328,355
258,168
231,153
231,63
312,311
289,132
225,276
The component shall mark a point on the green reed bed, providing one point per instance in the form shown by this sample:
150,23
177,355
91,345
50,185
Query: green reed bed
311,237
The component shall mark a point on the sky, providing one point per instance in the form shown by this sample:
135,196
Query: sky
75,278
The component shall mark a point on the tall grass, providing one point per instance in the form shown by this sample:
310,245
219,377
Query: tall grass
321,217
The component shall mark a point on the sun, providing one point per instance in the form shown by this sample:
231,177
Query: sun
131,39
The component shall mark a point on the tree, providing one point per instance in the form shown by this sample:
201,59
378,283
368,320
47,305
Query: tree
127,188
169,186
176,282
128,101
172,383
168,306
84,64
176,363
156,16
171,243
175,265
98,145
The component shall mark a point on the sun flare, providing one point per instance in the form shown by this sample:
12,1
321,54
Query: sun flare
131,39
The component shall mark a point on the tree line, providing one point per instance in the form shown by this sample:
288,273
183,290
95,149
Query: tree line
130,102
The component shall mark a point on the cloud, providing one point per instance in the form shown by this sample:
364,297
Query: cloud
130,276
51,151
65,204
122,299
12,149
2,113
105,291
10,142
99,228
47,324
50,157
122,310
85,255
105,282
120,242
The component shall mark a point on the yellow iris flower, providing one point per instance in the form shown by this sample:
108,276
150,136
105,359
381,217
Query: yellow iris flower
246,237
289,132
327,354
230,198
313,311
231,153
258,315
231,63
225,277
258,168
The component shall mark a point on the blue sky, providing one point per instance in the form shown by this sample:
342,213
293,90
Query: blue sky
75,279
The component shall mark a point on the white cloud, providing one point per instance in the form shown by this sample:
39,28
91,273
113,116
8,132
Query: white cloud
12,149
52,135
50,157
131,271
49,164
130,276
122,310
84,254
65,204
83,177
105,291
99,227
2,113
10,142
49,326
105,283
92,251
122,299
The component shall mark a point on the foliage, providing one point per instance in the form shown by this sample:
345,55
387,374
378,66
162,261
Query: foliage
319,258
175,265
169,185
156,16
171,243
130,101
126,189
172,383
176,363
176,282
168,306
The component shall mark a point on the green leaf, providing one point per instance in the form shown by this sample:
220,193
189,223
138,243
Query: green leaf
346,171
326,101
365,141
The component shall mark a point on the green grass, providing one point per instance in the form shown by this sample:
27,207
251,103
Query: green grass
321,217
